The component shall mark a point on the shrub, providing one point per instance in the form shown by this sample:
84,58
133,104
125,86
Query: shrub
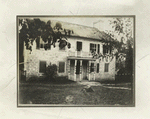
51,72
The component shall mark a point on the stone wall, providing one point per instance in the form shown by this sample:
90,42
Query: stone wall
102,75
54,56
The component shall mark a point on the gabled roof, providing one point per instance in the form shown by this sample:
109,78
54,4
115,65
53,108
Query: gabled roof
82,31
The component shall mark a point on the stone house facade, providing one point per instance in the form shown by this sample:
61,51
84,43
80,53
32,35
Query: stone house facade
77,63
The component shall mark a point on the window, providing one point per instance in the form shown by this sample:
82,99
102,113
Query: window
92,67
95,48
106,49
42,44
97,67
63,48
46,46
106,67
79,46
42,67
92,47
62,44
61,67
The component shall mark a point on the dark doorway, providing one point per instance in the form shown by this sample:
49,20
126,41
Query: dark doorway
78,67
85,64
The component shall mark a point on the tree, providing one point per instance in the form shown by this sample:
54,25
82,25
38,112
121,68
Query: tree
123,28
31,29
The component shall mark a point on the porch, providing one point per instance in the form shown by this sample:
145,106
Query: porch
80,69
79,54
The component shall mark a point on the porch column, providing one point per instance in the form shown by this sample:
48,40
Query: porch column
75,64
68,69
80,70
94,69
89,69
96,48
87,74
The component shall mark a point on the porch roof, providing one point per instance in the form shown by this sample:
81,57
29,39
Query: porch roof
82,58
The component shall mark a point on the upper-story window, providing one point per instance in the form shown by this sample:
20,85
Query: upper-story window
62,44
79,46
41,44
95,48
106,49
63,48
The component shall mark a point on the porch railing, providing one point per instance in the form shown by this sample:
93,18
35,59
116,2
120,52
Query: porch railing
79,54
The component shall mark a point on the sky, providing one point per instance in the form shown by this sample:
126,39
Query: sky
87,21
100,22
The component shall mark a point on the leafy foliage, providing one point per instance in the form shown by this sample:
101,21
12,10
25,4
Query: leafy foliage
51,72
32,29
123,27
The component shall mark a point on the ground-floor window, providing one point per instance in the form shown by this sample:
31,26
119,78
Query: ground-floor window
92,67
61,67
106,67
42,68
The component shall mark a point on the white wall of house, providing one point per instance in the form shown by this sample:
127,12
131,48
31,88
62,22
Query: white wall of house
54,56
85,44
102,75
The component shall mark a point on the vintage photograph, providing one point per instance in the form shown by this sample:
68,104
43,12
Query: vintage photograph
76,61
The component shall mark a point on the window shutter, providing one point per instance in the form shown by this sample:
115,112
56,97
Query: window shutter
98,49
104,49
42,46
97,67
61,67
37,43
49,46
62,48
94,47
42,66
106,67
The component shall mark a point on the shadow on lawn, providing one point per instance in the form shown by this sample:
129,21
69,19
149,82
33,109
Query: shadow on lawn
44,80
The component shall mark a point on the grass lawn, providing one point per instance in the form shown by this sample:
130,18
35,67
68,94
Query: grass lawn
31,93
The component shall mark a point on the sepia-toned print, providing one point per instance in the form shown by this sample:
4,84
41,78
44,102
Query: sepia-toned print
76,61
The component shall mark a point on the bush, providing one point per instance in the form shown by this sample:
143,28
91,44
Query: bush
51,72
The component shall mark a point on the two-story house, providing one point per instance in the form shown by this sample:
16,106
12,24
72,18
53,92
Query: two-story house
77,63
